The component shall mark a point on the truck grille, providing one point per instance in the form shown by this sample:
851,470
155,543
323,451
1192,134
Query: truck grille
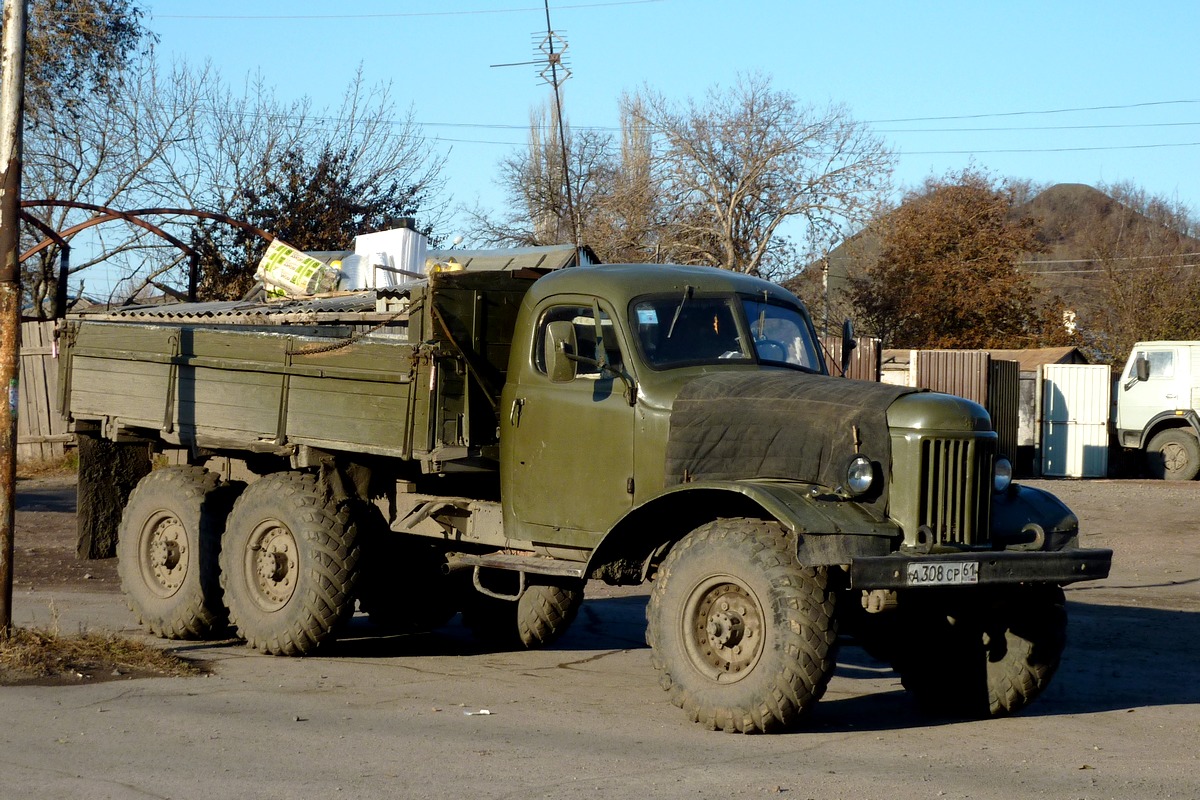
956,478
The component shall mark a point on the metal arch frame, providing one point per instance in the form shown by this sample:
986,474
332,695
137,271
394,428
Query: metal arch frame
134,217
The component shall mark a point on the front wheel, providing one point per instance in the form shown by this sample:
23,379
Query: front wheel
744,638
1174,455
981,658
540,615
289,562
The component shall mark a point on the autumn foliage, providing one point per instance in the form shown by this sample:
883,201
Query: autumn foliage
947,274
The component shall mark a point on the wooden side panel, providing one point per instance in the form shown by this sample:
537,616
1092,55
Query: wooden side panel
223,402
349,415
134,391
237,387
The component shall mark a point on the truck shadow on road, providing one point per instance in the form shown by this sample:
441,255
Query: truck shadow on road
1118,658
611,623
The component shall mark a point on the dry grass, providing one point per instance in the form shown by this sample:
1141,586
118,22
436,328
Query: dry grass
33,654
67,464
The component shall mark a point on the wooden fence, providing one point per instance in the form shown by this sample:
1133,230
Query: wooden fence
41,431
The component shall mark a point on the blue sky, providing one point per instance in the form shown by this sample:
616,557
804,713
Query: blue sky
1083,92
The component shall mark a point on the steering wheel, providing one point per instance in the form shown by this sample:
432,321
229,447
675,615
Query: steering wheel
771,350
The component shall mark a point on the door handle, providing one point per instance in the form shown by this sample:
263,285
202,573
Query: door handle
514,414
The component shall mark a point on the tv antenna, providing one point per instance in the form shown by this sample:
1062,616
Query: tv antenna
550,53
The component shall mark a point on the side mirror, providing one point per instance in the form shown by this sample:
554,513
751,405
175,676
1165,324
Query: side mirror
1141,366
559,351
848,345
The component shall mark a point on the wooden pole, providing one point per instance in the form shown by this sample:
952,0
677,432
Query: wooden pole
12,90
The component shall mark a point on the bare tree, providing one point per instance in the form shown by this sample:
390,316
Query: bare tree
184,138
536,211
631,220
250,151
746,161
98,150
82,56
1147,249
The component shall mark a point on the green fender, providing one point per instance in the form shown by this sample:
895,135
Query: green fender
830,529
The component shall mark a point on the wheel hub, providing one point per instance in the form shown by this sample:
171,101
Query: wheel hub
1174,456
724,629
165,555
273,562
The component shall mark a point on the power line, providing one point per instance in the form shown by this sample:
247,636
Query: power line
1115,258
1041,128
1111,269
1035,113
400,14
1049,149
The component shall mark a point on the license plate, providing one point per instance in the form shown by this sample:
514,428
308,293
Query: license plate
943,573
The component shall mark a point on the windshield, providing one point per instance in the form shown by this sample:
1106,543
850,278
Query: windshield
687,330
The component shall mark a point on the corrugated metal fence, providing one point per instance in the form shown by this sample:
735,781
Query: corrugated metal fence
973,374
41,431
865,360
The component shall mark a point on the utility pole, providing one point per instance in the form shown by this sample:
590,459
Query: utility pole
554,72
12,105
554,63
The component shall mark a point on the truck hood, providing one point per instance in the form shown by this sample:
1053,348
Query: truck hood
790,425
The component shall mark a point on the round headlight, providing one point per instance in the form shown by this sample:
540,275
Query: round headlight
859,475
1002,475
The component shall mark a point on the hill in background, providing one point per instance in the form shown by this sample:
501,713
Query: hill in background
1075,222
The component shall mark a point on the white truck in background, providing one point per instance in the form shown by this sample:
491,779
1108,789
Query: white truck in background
1157,401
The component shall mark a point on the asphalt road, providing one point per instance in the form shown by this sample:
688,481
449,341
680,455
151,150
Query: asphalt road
400,717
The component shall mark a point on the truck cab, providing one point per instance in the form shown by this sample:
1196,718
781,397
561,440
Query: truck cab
1157,400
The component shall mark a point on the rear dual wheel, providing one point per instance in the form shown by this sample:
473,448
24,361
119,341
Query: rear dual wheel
167,551
289,563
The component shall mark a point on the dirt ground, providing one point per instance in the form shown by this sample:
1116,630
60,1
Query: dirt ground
44,543
585,718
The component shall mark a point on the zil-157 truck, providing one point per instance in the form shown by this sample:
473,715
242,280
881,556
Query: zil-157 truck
485,442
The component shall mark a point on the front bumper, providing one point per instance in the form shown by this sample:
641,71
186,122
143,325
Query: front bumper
994,568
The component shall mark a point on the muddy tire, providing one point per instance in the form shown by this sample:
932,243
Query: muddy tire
985,658
743,637
167,551
1173,455
289,562
543,612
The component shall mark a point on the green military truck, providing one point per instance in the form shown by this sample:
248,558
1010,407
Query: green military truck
486,441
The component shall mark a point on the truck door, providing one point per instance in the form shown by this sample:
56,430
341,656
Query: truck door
569,460
1139,401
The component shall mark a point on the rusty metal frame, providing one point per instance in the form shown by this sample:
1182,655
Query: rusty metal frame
134,217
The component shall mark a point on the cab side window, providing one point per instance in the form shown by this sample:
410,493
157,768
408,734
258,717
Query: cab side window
584,321
1162,363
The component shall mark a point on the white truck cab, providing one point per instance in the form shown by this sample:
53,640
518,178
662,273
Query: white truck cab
1157,401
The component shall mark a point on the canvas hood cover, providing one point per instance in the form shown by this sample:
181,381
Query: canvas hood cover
739,425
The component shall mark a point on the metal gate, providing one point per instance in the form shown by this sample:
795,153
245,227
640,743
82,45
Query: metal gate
1074,412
